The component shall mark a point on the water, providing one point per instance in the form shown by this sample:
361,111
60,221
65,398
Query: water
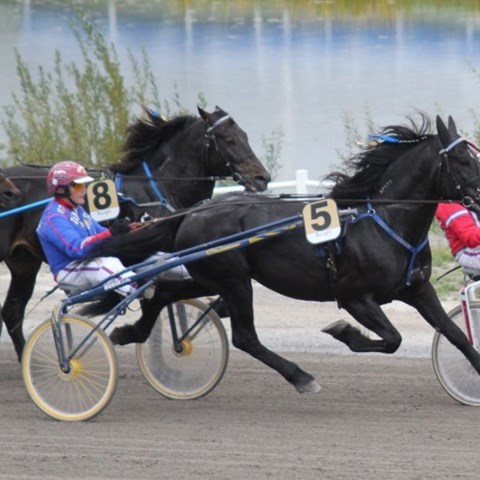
301,70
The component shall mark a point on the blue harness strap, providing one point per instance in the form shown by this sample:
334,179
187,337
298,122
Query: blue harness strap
371,213
155,188
153,183
118,184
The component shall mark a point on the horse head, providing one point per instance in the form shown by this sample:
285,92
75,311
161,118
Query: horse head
460,166
231,147
9,193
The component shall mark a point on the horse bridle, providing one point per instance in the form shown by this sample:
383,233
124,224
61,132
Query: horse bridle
415,250
210,135
466,200
162,200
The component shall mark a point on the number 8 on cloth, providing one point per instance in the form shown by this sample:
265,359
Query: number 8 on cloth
102,200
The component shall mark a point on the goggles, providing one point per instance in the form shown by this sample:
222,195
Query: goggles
77,187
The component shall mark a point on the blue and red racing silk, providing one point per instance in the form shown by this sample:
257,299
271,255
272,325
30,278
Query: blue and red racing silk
67,233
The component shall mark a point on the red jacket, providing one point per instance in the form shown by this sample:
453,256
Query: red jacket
461,226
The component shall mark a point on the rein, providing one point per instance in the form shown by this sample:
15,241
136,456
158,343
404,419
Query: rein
135,177
389,201
211,137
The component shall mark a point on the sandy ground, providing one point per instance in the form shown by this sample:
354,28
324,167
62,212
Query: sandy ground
282,323
376,416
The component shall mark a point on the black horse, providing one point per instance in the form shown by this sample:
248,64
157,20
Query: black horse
9,193
382,255
188,154
167,165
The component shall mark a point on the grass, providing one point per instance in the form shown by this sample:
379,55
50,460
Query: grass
448,286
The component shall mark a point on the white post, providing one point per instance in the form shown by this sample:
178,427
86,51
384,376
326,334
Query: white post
301,180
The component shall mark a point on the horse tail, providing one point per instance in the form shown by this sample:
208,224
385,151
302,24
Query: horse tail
138,245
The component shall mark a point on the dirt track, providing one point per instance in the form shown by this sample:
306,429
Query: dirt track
376,416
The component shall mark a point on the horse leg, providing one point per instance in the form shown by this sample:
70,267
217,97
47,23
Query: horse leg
23,268
244,337
425,300
140,330
370,315
165,292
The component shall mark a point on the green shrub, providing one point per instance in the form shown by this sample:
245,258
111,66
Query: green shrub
444,266
74,112
81,112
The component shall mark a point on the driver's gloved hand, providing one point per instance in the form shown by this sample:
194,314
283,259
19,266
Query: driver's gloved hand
120,225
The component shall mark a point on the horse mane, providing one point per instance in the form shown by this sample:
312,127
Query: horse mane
363,171
145,138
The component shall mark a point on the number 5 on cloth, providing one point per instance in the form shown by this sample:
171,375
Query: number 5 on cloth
322,222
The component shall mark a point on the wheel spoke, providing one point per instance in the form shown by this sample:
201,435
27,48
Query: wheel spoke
201,363
87,388
453,370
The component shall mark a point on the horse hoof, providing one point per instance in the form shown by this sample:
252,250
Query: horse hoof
116,336
310,387
335,328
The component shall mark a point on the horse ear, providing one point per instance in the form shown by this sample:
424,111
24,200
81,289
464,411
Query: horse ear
207,117
220,110
443,132
452,128
202,112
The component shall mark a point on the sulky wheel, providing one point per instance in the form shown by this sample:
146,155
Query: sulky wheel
193,366
453,370
87,388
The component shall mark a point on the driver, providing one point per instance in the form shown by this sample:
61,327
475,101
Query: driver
462,230
68,233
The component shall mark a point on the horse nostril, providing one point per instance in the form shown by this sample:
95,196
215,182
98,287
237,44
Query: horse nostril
11,195
267,178
263,180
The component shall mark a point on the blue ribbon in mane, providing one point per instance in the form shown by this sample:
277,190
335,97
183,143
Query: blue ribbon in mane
384,138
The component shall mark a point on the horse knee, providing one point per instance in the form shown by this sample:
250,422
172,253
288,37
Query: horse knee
18,339
245,342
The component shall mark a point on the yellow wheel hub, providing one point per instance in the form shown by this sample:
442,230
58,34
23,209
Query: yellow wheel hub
76,369
187,347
